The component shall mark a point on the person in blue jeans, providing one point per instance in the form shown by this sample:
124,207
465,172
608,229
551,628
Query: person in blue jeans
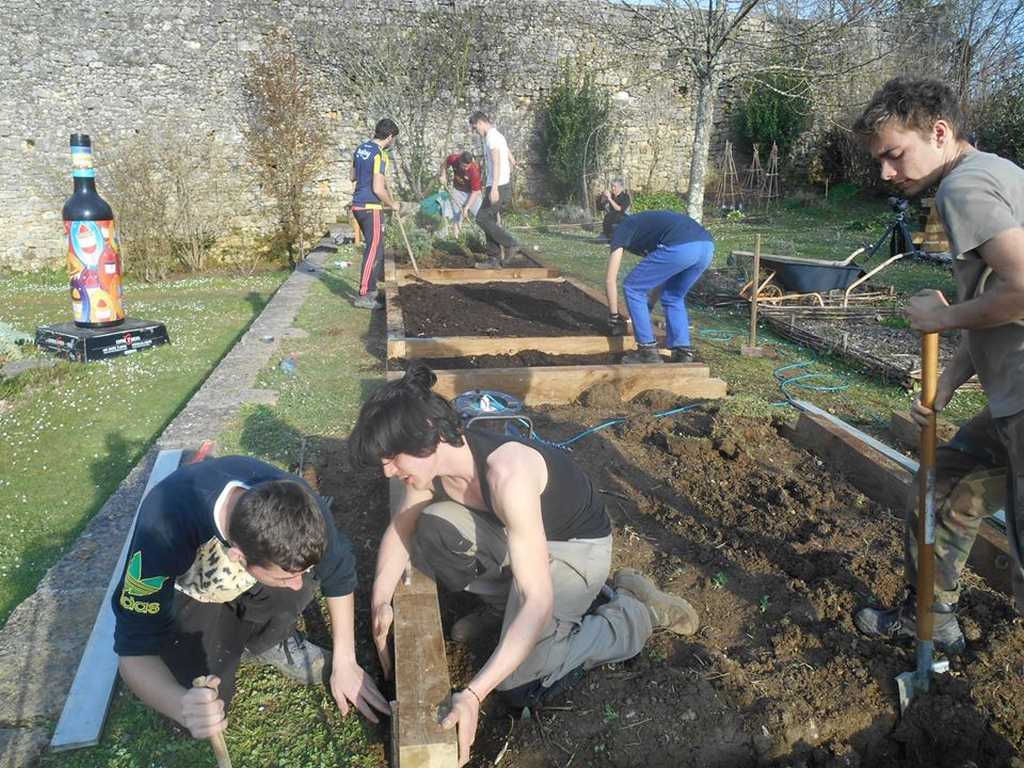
676,250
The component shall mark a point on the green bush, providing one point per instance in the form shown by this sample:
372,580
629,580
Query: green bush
1001,122
773,111
658,201
573,135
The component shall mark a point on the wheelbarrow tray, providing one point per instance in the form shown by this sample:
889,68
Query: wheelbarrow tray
811,275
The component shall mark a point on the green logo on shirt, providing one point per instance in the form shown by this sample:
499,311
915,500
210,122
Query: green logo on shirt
134,584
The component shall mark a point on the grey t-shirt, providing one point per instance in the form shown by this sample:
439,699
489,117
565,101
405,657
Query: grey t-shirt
983,196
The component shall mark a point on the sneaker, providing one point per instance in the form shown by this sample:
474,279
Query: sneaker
296,658
644,353
667,611
682,355
485,621
367,302
492,263
899,623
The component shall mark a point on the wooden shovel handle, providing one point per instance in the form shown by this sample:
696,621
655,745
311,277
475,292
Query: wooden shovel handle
926,491
220,748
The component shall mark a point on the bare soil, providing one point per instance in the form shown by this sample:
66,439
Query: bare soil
775,551
535,308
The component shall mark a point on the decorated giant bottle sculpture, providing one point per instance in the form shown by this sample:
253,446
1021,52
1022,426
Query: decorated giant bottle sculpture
94,263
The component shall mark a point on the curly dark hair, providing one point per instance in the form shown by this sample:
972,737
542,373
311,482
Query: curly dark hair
915,104
403,416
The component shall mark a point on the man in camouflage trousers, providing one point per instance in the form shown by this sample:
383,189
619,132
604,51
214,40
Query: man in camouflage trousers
912,128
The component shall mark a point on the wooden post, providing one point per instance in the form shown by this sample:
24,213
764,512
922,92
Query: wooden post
752,350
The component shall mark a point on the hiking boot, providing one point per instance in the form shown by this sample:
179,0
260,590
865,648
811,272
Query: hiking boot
682,355
667,611
644,353
492,263
899,623
482,622
367,302
296,658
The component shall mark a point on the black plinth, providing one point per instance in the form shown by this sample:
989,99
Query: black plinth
87,344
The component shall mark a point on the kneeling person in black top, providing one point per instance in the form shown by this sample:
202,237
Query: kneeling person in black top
516,523
226,555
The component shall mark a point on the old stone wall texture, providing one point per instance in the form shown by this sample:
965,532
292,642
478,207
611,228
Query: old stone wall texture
120,68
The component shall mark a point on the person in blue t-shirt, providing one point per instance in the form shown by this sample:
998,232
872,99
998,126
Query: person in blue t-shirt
370,165
226,554
676,250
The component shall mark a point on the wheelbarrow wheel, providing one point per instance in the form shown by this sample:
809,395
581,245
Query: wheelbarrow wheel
771,294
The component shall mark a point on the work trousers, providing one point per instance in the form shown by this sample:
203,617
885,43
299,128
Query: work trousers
487,220
677,268
467,551
976,474
371,222
209,638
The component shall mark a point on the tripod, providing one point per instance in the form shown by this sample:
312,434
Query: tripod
897,233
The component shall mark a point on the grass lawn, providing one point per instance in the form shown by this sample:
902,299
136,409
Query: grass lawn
275,723
70,434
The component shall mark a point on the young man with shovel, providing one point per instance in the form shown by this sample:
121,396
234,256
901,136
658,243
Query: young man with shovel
370,164
516,523
226,554
914,129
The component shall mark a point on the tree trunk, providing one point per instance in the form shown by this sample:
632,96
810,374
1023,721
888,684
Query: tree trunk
701,144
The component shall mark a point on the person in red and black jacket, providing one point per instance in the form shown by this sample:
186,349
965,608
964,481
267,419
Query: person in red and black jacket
467,188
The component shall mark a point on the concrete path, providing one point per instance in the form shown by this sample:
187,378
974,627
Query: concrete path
43,640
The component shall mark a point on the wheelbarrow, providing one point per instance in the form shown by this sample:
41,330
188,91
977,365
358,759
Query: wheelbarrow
808,280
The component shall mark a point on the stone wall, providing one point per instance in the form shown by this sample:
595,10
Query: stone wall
121,68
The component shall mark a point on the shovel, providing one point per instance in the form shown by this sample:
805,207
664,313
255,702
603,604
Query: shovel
408,248
911,683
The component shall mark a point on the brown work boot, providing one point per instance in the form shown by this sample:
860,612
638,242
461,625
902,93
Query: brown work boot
667,611
481,622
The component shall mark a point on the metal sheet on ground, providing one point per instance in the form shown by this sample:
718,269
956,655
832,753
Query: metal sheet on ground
86,707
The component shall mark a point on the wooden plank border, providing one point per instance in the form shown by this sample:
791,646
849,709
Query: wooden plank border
85,708
422,680
878,475
563,384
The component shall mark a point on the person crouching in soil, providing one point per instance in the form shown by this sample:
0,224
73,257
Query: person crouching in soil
676,250
225,556
516,523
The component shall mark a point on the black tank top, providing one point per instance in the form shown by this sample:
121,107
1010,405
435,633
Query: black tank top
570,506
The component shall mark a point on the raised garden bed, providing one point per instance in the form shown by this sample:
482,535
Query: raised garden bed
519,308
519,314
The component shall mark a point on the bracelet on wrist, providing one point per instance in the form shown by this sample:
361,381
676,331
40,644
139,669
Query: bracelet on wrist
479,702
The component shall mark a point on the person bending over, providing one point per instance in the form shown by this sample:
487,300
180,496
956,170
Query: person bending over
519,525
225,556
676,250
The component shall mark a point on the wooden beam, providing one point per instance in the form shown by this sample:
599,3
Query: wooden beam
422,681
422,684
395,322
453,276
563,384
877,474
868,469
465,346
85,708
906,432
